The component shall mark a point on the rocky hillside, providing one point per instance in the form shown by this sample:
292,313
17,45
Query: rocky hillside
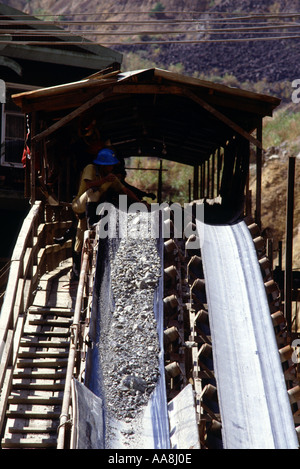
268,62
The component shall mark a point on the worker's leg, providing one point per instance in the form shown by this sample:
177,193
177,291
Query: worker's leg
91,207
68,234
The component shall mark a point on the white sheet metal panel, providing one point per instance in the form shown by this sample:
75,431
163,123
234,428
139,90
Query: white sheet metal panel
88,426
184,432
254,404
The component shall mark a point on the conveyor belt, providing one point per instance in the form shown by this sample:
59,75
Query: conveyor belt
152,423
253,399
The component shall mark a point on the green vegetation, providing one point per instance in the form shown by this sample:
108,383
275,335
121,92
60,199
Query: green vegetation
148,59
175,178
44,15
157,11
283,127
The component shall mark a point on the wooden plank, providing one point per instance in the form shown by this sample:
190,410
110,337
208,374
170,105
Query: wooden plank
6,317
43,343
48,333
51,322
31,414
60,299
49,373
26,232
40,386
6,356
34,400
226,90
72,115
258,176
40,363
6,371
147,89
45,429
41,354
4,395
289,226
16,442
51,310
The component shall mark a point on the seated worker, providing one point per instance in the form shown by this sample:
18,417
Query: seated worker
96,181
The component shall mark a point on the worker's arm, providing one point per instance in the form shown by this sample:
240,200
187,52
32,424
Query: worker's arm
121,189
131,195
133,198
98,182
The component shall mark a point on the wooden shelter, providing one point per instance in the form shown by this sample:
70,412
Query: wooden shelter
150,112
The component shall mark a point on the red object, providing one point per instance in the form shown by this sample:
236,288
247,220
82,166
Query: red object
26,154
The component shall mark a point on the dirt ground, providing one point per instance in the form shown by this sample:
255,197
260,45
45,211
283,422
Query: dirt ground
274,199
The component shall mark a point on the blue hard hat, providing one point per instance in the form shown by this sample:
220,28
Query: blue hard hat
106,156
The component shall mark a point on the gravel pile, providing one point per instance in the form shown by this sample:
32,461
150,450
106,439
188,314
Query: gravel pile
129,344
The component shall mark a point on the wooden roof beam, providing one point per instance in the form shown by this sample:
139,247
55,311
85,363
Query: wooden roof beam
72,115
223,118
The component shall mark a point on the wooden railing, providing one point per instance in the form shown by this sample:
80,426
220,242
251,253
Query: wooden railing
4,272
34,253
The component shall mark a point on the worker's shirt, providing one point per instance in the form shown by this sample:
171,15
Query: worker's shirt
91,174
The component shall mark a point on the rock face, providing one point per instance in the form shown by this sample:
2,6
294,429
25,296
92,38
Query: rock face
129,343
272,61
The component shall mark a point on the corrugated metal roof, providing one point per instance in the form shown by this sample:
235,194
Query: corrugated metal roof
88,54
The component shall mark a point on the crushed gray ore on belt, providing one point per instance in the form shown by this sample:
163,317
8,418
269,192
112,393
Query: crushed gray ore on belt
129,347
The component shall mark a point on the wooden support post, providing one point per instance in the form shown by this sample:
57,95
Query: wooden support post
258,175
213,175
159,189
196,182
208,179
68,180
270,251
33,162
280,255
218,169
200,180
288,279
203,181
248,199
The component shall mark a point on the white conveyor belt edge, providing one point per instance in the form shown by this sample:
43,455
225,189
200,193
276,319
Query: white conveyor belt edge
253,398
